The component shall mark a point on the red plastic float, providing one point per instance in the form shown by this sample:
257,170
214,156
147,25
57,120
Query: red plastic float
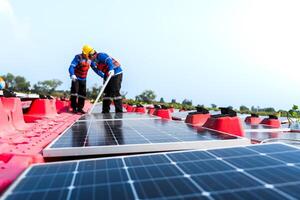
272,121
41,108
13,107
61,106
197,119
230,125
253,119
6,126
226,122
163,113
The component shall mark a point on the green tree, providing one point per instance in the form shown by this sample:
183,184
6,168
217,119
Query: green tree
187,102
161,100
230,107
295,107
21,84
173,101
213,105
147,96
16,83
244,108
270,109
294,113
46,87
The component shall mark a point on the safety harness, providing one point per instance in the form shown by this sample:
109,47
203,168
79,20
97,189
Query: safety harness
81,70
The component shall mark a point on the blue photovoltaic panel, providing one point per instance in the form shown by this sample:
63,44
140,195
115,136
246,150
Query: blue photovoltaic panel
98,133
130,135
270,171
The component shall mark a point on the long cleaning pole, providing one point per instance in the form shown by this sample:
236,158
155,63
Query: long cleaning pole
100,93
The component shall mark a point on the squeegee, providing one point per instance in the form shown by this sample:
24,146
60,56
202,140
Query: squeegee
100,93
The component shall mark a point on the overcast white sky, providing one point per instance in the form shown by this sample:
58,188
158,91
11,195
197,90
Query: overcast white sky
229,52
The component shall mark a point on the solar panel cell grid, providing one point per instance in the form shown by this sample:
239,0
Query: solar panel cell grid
113,191
257,194
129,132
257,174
49,195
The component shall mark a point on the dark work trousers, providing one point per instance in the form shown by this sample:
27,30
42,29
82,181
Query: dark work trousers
78,94
112,92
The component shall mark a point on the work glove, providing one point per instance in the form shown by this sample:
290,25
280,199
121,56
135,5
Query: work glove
74,78
111,72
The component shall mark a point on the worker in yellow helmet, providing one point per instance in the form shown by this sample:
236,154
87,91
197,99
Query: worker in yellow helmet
2,83
78,72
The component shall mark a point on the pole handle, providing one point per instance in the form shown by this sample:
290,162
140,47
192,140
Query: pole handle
100,93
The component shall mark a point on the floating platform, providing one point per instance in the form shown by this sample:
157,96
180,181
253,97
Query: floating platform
186,160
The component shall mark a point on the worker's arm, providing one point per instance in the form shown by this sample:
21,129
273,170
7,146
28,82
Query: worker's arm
74,63
97,71
109,62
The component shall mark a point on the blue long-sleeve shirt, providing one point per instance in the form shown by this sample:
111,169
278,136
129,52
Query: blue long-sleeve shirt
97,71
107,62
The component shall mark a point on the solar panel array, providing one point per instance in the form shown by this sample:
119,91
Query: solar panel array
255,172
117,133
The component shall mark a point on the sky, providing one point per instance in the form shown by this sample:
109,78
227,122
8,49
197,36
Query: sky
230,53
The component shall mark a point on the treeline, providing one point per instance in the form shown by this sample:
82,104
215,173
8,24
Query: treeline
49,87
149,97
45,87
20,84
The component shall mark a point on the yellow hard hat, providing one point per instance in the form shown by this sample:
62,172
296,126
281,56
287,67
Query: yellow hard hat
87,49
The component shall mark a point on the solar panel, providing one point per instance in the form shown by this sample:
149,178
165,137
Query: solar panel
132,136
98,108
116,116
270,171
